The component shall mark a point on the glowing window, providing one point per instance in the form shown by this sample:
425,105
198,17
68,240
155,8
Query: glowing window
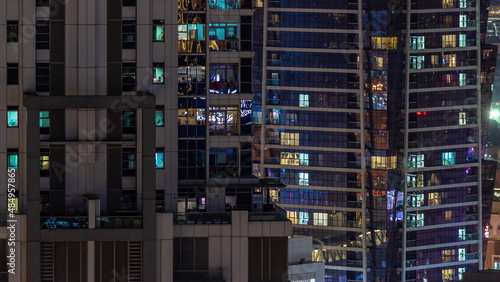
448,158
160,117
462,118
44,162
416,161
159,160
462,40
449,40
303,218
303,100
320,218
433,199
447,255
158,30
290,138
461,254
158,73
303,178
287,158
384,162
417,42
447,274
450,60
12,118
385,43
292,216
223,120
13,160
462,20
448,3
462,79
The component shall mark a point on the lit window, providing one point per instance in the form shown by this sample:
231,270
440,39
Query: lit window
447,255
287,158
434,199
44,162
384,162
304,159
462,118
158,73
128,122
448,215
417,42
292,216
191,32
461,234
385,43
417,62
129,161
448,3
449,40
303,100
435,62
462,40
447,274
416,161
128,76
191,116
461,254
290,138
303,178
13,160
44,122
462,20
223,79
415,200
128,34
461,270
158,30
303,218
448,158
12,117
12,31
223,36
420,219
159,159
320,218
462,79
159,116
450,60
224,4
223,120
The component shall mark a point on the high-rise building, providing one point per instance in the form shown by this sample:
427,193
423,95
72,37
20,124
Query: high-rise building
374,114
125,150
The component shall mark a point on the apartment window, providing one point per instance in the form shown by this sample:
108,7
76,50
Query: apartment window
129,162
304,159
448,158
287,158
44,121
128,3
385,43
461,254
435,62
462,79
416,161
303,178
462,40
224,4
12,159
434,199
223,79
379,162
447,255
44,162
320,218
223,120
303,218
462,20
420,219
461,270
447,274
128,122
12,74
12,117
303,100
448,3
462,3
158,30
128,77
223,162
292,216
449,40
128,34
417,62
160,158
42,34
12,31
450,60
191,116
42,77
224,36
290,138
417,42
158,73
160,116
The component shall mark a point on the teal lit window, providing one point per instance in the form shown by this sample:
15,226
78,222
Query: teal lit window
224,4
303,100
160,159
158,73
13,160
12,118
448,158
160,117
158,30
44,119
128,122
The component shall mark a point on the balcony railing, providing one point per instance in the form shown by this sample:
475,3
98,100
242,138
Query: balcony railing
203,218
64,222
118,222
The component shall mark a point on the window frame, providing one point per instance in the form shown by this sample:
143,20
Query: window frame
158,24
129,162
15,110
42,34
12,74
129,28
12,31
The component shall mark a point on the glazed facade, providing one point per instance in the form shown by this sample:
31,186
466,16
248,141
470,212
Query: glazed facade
374,115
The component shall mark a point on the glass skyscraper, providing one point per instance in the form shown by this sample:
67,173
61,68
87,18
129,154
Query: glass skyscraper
373,113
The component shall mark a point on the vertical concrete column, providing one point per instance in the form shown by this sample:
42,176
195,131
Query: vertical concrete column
94,208
90,260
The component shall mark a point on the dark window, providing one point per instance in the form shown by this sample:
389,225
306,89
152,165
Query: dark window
44,162
159,30
40,3
160,200
128,77
223,163
12,74
42,34
128,34
42,77
129,162
158,73
128,122
12,31
126,3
